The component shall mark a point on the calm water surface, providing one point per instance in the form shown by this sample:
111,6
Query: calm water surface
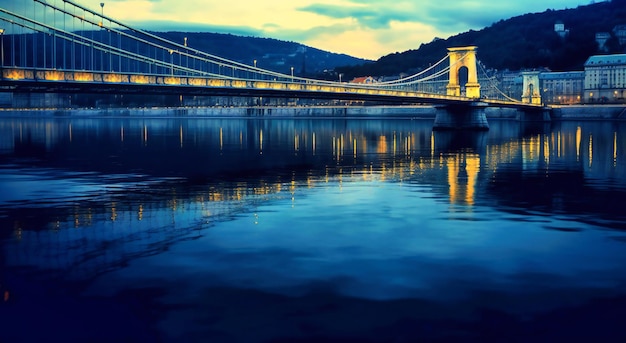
247,230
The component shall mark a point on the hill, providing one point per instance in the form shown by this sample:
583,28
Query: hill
524,42
272,54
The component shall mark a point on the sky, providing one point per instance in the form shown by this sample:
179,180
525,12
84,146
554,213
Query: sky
360,28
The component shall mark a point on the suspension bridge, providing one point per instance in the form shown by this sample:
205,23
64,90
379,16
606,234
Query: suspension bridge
59,46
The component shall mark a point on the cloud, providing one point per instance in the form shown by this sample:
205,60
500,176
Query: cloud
369,16
374,14
165,25
443,15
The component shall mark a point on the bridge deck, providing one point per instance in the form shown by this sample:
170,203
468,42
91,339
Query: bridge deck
80,81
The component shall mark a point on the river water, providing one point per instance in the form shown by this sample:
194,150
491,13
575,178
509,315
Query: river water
136,229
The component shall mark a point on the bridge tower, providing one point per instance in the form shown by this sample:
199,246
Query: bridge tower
531,93
459,58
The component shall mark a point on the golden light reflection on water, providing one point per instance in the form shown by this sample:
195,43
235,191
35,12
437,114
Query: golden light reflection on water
463,170
382,145
113,211
614,149
472,167
296,143
261,141
590,150
578,142
180,135
462,173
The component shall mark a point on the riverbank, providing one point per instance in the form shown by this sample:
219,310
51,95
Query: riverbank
256,111
570,112
598,112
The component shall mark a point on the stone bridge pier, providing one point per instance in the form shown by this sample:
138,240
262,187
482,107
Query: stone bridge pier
461,117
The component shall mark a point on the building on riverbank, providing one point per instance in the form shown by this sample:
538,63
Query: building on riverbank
605,79
563,88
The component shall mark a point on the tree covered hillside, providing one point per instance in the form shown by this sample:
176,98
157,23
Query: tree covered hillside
272,54
523,42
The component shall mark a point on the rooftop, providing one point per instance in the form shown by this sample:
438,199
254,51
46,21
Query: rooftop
606,59
562,75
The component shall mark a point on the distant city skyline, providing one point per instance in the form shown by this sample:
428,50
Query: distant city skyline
360,28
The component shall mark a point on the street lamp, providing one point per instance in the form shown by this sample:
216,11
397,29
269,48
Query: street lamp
291,74
172,60
255,63
186,56
102,52
2,46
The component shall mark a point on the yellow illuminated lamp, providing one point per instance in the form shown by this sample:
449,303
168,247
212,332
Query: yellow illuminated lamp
13,74
83,77
54,76
172,81
113,78
141,79
196,82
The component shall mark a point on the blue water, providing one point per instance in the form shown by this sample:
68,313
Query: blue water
279,230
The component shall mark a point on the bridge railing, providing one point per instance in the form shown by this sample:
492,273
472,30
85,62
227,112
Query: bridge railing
205,83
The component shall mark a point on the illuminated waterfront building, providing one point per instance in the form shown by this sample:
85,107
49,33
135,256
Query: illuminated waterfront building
605,78
562,87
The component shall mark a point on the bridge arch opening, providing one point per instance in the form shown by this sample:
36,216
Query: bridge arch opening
460,58
463,77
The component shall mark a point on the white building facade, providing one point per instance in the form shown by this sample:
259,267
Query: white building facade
605,79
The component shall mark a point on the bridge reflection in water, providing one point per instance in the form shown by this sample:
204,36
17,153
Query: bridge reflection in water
216,168
84,198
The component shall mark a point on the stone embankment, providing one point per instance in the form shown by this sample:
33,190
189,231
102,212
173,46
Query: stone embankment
572,112
597,112
261,112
